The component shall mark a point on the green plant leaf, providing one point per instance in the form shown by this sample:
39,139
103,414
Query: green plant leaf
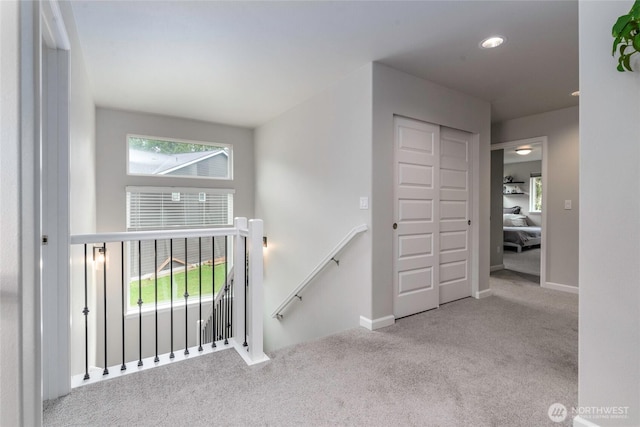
620,24
636,42
635,10
623,47
626,62
627,31
615,45
619,67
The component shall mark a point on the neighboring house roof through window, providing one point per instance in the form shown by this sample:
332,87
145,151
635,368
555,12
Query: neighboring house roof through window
147,162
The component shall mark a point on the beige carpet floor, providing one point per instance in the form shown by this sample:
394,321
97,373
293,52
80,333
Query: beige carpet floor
499,361
527,261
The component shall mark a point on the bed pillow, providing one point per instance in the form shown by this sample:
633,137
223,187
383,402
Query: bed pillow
513,210
519,222
514,220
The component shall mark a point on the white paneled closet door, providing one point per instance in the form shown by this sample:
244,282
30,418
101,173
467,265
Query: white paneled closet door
432,194
455,214
415,239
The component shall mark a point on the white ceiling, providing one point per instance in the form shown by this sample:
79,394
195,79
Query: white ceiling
244,63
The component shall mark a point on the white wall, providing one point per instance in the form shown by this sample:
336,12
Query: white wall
312,164
10,324
561,128
20,350
609,372
395,92
522,172
112,127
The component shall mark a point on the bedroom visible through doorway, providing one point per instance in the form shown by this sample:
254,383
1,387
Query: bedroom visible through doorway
518,195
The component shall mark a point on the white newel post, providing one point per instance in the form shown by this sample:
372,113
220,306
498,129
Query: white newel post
239,281
255,304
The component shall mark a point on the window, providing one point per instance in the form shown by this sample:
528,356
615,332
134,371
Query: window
163,208
177,158
535,193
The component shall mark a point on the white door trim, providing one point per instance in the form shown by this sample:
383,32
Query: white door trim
54,110
543,140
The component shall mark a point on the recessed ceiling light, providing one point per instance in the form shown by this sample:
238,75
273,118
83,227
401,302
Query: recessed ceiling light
576,93
523,151
491,42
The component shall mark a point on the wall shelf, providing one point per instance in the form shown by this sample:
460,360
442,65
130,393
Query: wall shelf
513,188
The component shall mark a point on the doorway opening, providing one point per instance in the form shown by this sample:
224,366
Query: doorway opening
518,207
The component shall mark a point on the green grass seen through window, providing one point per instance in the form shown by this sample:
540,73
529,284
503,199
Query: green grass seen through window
164,285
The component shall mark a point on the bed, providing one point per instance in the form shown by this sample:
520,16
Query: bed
518,234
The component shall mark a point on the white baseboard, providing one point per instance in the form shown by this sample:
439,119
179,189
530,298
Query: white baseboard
483,294
578,421
561,287
96,374
374,324
496,267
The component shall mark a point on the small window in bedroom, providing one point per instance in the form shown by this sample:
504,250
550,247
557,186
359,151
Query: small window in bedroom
535,193
178,158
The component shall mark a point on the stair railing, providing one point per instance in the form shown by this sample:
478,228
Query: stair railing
241,330
211,327
331,256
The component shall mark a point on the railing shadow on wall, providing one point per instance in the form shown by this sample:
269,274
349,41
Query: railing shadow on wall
140,307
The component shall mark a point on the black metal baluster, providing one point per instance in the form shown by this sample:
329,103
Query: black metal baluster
123,367
213,290
246,287
104,298
186,298
155,257
171,355
140,302
85,311
220,323
200,293
226,289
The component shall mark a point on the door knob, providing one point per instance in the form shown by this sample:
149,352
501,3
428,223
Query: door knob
395,225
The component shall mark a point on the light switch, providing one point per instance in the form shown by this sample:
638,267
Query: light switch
364,203
567,204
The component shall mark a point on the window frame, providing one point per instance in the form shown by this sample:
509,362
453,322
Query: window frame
132,310
533,194
181,141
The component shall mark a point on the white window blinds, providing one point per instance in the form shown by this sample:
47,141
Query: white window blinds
160,208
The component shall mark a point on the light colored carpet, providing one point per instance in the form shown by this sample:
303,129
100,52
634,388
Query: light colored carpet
527,261
499,361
